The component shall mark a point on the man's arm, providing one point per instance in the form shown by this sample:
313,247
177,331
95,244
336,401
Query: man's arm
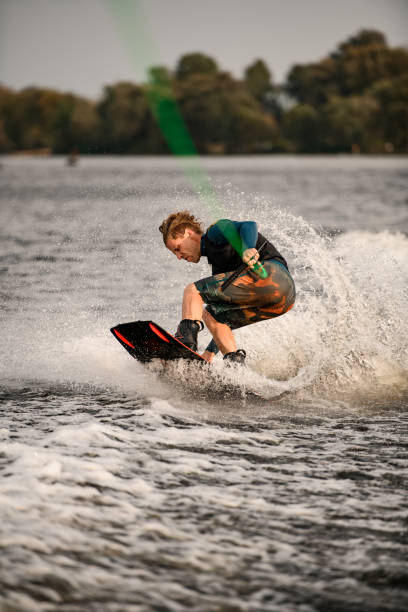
242,235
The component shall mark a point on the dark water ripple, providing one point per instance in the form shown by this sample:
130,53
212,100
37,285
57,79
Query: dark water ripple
304,514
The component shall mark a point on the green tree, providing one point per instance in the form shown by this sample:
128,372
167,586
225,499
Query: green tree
354,66
358,93
31,116
74,125
252,131
392,98
6,103
195,63
124,118
397,62
258,80
360,61
313,84
301,126
364,38
348,124
160,76
222,116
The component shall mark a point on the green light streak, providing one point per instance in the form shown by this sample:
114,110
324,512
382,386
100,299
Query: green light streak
133,28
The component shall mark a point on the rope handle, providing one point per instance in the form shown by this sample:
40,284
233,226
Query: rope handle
257,268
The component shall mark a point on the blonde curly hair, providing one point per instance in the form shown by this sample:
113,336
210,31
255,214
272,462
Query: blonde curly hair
177,223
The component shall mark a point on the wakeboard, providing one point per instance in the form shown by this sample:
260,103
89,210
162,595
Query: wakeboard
146,340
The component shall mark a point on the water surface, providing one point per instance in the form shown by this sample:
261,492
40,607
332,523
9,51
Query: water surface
280,487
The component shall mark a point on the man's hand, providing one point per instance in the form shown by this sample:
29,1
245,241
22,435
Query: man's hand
250,257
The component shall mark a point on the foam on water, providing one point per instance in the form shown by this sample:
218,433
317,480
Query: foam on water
346,337
138,507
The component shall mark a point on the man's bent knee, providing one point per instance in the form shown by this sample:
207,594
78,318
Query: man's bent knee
211,322
191,289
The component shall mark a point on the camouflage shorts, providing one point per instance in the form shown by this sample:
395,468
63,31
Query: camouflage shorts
248,299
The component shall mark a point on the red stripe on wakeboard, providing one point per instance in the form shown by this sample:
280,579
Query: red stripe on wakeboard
188,348
123,338
158,332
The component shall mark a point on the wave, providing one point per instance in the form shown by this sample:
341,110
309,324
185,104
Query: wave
345,339
347,334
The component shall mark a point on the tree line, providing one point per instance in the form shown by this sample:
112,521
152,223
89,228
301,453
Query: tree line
353,100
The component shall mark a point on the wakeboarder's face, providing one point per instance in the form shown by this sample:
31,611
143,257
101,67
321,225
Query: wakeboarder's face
186,246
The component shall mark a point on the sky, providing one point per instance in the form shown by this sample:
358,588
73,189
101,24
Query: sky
79,45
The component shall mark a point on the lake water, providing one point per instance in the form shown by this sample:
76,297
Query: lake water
126,488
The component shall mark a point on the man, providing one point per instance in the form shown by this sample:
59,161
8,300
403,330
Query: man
234,295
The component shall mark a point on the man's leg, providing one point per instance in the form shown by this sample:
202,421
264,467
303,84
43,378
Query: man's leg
192,303
190,324
244,302
193,309
222,334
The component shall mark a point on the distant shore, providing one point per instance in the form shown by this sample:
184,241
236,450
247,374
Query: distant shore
354,101
46,153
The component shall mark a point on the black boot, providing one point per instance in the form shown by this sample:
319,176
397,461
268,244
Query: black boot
236,356
187,332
